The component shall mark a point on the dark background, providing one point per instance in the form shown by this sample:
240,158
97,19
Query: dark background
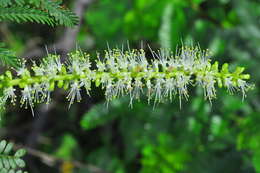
89,137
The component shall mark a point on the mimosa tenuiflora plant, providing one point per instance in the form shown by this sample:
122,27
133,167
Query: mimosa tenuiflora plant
121,73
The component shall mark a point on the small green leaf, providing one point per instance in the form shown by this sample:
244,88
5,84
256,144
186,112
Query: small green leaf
4,170
20,162
8,148
6,163
11,171
1,164
20,153
12,163
2,145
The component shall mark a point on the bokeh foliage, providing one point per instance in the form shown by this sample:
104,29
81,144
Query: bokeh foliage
200,137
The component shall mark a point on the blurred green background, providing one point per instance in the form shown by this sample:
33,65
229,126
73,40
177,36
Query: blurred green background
93,138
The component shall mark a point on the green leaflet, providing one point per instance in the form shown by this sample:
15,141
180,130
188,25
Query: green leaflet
7,57
45,12
10,162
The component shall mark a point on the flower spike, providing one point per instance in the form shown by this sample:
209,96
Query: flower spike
124,73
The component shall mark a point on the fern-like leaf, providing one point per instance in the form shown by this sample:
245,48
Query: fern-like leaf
10,163
24,14
5,3
62,16
40,11
7,57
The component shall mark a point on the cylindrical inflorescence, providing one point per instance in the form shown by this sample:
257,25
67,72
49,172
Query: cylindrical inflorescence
121,73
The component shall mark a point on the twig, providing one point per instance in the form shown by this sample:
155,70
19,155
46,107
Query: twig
52,160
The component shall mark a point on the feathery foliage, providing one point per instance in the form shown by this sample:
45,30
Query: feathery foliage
8,57
11,163
40,11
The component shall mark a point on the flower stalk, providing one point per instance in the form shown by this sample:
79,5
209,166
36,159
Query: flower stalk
122,73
